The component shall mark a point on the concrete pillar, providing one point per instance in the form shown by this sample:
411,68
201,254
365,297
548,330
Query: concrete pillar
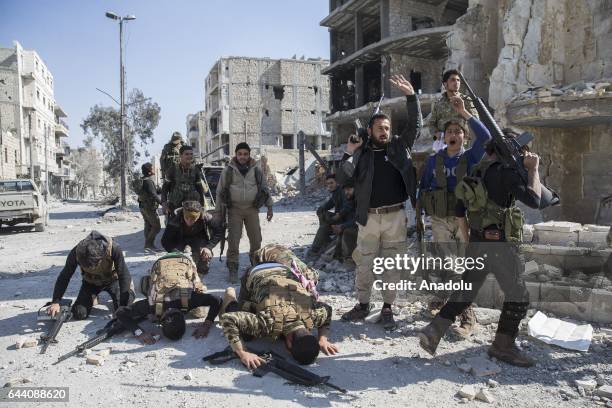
358,23
332,46
359,86
384,19
385,74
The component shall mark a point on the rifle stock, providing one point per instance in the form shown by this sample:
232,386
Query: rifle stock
508,150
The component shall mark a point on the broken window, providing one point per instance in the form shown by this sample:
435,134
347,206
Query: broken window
287,141
279,92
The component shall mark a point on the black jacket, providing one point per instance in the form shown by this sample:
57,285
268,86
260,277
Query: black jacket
360,166
205,232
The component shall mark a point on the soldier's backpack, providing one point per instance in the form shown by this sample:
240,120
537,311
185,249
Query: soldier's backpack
173,276
137,185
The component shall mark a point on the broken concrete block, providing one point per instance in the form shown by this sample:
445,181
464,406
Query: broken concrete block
552,271
188,376
558,226
106,352
588,385
19,343
13,382
485,396
604,391
486,316
466,368
468,391
482,367
492,383
531,267
95,360
29,342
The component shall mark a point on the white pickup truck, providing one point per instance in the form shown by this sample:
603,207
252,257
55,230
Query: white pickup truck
22,202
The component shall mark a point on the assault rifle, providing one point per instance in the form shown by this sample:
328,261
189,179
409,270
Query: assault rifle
275,363
508,150
64,314
113,327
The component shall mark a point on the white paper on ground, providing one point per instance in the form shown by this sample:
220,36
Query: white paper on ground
560,333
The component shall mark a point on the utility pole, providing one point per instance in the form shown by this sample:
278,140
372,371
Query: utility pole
31,146
123,144
47,129
301,139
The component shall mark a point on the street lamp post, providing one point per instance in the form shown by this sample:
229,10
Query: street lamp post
122,150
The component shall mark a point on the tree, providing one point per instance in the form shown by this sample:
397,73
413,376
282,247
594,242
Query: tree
104,123
88,169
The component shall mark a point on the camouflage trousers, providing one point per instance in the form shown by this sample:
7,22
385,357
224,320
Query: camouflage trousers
448,244
235,219
384,235
152,225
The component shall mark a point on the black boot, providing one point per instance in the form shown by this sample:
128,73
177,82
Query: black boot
504,349
430,335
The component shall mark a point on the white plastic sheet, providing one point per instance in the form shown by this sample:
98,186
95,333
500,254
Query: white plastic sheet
560,333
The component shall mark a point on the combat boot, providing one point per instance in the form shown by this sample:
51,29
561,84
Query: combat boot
467,323
430,335
228,297
233,272
357,313
504,349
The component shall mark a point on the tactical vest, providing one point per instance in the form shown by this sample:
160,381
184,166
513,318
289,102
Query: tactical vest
183,186
482,212
172,277
440,202
260,198
284,298
145,199
103,273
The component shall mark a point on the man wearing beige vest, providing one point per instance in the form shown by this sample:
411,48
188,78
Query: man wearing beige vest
242,192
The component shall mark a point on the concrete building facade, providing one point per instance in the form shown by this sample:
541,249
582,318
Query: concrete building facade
265,102
196,131
31,121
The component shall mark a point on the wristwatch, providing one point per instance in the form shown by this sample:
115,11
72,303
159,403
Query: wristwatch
138,332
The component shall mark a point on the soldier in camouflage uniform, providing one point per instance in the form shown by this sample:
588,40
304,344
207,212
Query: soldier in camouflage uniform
442,111
171,153
148,201
183,182
278,298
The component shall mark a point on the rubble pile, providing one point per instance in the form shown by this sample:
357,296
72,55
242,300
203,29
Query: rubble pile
576,89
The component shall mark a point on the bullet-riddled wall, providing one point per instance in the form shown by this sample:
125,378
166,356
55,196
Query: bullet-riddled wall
266,102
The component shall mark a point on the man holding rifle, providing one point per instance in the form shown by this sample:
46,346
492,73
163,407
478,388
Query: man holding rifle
384,178
486,210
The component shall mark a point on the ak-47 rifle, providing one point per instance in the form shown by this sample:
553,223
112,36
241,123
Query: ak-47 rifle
508,150
223,208
113,327
275,363
64,314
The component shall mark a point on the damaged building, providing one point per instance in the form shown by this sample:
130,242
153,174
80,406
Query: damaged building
266,102
542,65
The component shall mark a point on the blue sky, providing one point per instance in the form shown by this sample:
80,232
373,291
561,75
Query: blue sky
170,47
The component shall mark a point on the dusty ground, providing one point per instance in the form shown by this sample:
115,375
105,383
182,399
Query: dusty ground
378,368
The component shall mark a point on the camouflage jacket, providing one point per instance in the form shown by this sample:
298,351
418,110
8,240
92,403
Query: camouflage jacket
273,307
169,156
442,112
